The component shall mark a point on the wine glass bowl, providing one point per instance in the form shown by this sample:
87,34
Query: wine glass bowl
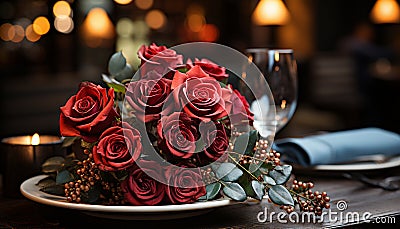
279,68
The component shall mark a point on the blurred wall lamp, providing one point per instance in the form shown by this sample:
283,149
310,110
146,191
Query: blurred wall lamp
385,11
271,12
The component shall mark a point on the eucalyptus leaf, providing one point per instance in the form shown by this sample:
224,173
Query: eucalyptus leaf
116,63
54,190
228,172
258,189
282,174
212,191
245,143
92,195
280,195
234,191
269,180
64,176
67,141
126,73
53,164
46,182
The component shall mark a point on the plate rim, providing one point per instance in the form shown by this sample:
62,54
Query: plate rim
393,162
29,187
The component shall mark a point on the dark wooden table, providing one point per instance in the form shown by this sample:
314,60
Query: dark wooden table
382,205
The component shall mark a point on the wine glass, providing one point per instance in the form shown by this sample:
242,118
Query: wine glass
280,71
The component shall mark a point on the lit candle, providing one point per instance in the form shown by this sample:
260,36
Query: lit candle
22,157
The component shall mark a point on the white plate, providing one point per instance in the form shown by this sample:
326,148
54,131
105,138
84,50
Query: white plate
31,191
360,166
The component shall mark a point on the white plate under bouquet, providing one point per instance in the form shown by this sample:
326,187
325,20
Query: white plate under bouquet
31,191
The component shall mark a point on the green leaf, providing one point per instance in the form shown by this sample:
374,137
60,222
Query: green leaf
281,173
116,63
53,164
212,191
280,195
54,190
126,73
64,176
235,191
46,182
269,180
67,141
117,86
91,196
245,143
228,172
87,145
258,189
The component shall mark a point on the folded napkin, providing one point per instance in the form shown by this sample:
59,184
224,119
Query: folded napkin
338,147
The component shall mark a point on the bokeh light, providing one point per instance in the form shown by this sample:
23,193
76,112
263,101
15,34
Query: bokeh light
98,24
5,31
144,4
155,19
62,8
123,2
125,27
18,34
64,24
209,33
41,25
195,22
31,35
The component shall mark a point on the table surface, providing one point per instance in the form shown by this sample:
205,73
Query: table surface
23,213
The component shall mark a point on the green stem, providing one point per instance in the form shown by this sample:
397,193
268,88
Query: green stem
241,166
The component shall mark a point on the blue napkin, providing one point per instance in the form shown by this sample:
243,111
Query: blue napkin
338,147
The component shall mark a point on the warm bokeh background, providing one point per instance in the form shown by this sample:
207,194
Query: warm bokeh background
348,65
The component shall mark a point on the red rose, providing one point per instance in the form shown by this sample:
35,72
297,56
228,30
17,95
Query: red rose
88,113
216,140
185,185
118,148
147,97
142,186
158,58
209,67
177,135
201,98
240,110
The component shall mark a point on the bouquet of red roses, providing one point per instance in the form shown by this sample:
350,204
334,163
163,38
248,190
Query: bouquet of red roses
174,132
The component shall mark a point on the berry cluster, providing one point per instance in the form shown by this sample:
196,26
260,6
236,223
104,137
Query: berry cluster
113,194
88,176
308,200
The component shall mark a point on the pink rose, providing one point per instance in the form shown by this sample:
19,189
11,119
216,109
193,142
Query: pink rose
147,97
177,135
184,185
118,148
88,113
140,187
239,108
209,67
200,97
158,58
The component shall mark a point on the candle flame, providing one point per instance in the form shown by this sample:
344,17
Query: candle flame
283,104
35,139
